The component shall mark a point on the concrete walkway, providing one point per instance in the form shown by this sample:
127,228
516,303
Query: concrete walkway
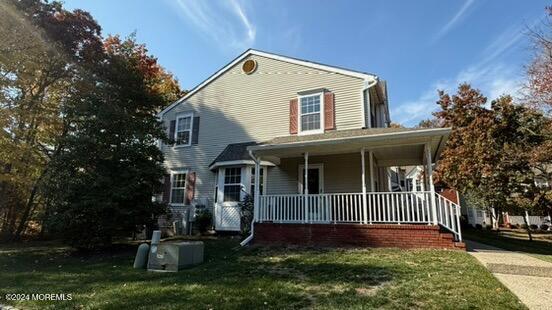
529,278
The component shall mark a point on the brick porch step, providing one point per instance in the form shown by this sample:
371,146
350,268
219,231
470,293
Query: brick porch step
460,245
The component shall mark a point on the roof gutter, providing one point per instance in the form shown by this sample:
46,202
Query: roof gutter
371,84
376,137
250,237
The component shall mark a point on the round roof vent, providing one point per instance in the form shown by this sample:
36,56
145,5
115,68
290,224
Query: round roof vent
249,66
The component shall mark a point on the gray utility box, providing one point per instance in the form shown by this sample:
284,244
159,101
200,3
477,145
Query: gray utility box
173,256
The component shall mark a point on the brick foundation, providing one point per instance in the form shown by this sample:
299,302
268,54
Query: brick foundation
375,235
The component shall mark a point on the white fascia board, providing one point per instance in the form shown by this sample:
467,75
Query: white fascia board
315,65
239,162
248,52
432,132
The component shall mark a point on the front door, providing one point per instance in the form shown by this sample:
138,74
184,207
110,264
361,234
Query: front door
315,179
316,206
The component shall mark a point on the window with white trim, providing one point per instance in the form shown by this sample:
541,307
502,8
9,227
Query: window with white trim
310,113
232,184
183,132
178,188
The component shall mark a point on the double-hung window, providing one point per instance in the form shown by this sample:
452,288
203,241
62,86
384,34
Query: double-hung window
232,184
311,113
178,187
183,132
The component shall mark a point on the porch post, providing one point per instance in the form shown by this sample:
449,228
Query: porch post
430,181
371,162
364,208
306,188
257,189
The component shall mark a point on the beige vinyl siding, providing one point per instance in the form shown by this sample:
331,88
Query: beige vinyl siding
239,108
342,174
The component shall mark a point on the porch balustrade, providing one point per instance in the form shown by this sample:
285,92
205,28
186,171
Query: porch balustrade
381,208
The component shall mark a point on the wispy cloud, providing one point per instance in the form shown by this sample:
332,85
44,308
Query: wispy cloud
491,75
460,14
493,80
238,9
227,23
506,40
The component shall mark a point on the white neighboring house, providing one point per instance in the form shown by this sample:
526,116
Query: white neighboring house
309,141
482,217
414,179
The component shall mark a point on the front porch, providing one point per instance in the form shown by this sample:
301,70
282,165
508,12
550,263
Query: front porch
390,211
373,207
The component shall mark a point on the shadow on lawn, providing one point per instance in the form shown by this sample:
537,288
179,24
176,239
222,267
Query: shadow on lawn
230,277
508,243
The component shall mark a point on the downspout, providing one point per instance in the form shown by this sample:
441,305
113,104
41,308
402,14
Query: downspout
366,92
250,237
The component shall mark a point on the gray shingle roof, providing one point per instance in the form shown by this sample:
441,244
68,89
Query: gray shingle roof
238,151
336,135
235,151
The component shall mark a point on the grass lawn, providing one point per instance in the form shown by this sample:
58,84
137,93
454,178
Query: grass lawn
255,277
514,240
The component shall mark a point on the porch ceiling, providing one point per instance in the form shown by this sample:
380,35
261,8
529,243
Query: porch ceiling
390,147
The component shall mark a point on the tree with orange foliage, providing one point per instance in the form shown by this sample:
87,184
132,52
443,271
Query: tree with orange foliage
102,181
488,154
75,108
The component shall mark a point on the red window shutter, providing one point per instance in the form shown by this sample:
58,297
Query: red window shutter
172,128
190,187
329,111
167,188
195,131
293,118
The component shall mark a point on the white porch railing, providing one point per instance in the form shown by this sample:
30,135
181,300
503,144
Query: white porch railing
381,207
448,215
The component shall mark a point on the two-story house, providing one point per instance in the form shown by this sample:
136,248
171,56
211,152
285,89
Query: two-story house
311,143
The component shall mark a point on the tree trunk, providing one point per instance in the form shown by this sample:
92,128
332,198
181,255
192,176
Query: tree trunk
30,202
12,219
528,228
494,220
29,206
499,216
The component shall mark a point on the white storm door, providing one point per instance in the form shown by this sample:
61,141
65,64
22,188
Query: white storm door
230,187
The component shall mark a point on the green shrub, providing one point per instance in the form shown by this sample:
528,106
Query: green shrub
246,209
204,219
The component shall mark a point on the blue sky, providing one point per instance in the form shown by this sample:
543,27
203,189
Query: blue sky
417,46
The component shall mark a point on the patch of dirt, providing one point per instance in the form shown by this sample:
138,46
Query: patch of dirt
284,271
327,289
371,290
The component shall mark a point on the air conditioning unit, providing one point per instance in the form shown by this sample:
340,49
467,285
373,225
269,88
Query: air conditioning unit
174,256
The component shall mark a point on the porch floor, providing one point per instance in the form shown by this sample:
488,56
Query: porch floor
359,235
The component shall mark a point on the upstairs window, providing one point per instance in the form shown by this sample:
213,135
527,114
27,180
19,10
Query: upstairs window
310,114
183,132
